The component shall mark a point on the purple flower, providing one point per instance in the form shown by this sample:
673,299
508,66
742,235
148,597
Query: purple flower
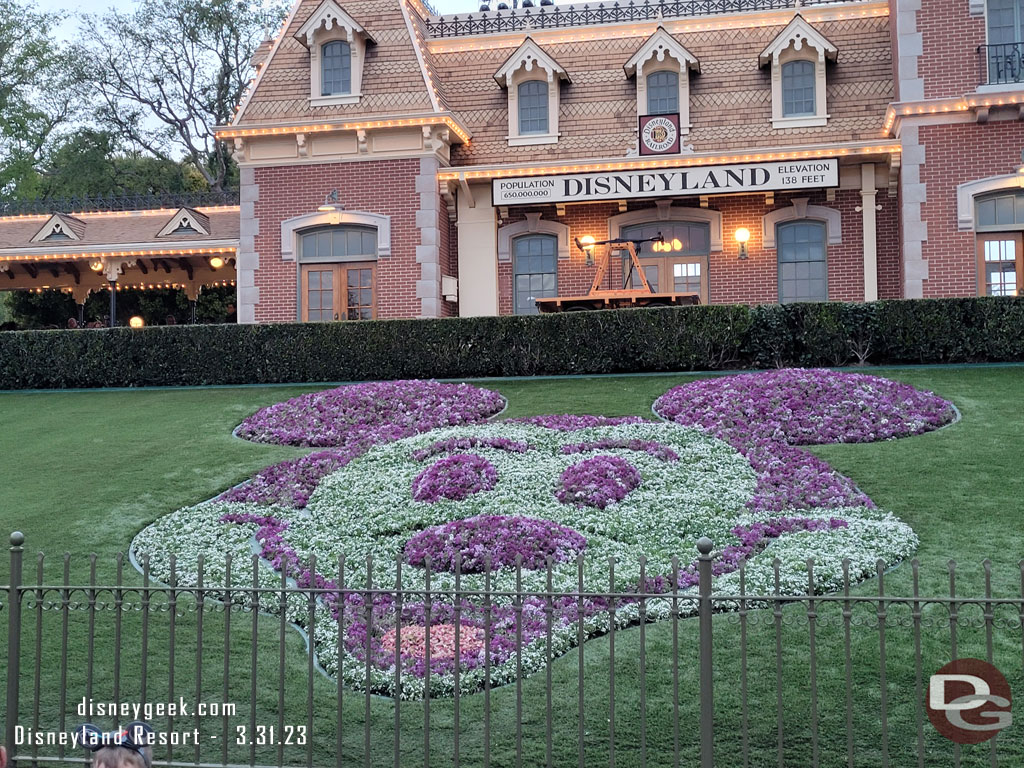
765,415
503,538
597,482
455,478
354,419
370,413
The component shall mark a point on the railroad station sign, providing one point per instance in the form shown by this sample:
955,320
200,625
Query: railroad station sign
784,175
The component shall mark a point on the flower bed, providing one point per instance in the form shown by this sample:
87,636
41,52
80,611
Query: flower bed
686,484
766,415
367,414
351,418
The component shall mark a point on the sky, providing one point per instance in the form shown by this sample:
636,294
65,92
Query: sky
98,6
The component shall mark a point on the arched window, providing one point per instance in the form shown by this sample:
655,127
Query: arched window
662,93
802,265
336,68
672,269
999,220
798,88
533,107
338,270
534,271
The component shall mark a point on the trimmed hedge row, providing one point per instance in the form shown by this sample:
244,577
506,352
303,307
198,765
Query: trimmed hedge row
636,340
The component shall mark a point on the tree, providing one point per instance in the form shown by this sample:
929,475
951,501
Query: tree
169,71
91,163
29,113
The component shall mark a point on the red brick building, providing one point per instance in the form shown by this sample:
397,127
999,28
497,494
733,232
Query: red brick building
397,163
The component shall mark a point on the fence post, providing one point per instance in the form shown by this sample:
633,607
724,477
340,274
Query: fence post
707,701
13,640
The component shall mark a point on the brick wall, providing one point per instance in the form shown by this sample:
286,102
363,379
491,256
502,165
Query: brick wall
994,151
731,280
950,63
382,186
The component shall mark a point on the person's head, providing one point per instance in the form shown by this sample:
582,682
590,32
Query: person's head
128,747
171,320
72,322
121,757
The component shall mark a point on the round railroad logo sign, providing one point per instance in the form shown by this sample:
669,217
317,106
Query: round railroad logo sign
659,134
968,701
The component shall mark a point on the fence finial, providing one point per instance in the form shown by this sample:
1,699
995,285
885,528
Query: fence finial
705,545
17,539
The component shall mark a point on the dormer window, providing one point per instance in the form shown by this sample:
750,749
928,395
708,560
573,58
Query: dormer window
663,93
337,52
797,57
187,221
533,107
662,68
336,68
58,233
60,226
532,79
798,88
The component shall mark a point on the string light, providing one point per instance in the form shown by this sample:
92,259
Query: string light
395,122
500,172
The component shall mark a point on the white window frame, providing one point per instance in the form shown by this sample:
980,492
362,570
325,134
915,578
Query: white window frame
291,229
533,224
329,23
799,41
662,52
530,62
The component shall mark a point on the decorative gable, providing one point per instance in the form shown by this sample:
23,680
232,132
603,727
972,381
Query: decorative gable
327,17
798,34
659,46
186,222
60,226
528,57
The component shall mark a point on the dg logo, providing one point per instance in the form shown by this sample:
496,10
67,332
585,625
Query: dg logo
968,701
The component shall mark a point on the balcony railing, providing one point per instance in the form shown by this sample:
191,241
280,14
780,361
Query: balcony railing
83,204
1003,63
586,14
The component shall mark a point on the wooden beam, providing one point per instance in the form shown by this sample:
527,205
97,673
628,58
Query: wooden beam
55,271
162,263
141,263
187,266
32,271
71,269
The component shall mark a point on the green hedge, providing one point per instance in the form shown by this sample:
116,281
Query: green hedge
636,340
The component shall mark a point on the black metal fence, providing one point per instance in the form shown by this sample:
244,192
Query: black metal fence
105,203
740,679
1003,63
585,14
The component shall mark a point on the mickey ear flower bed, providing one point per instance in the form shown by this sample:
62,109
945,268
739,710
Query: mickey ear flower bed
513,506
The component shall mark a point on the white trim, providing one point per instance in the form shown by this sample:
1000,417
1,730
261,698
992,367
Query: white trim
976,7
179,217
660,45
665,211
291,227
797,34
965,194
528,56
810,121
533,224
663,48
329,15
55,221
144,250
417,47
820,116
336,100
800,210
247,95
527,139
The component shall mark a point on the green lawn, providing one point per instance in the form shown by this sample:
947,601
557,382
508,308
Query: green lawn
86,471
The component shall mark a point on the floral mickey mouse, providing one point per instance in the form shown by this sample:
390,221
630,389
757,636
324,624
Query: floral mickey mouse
506,509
